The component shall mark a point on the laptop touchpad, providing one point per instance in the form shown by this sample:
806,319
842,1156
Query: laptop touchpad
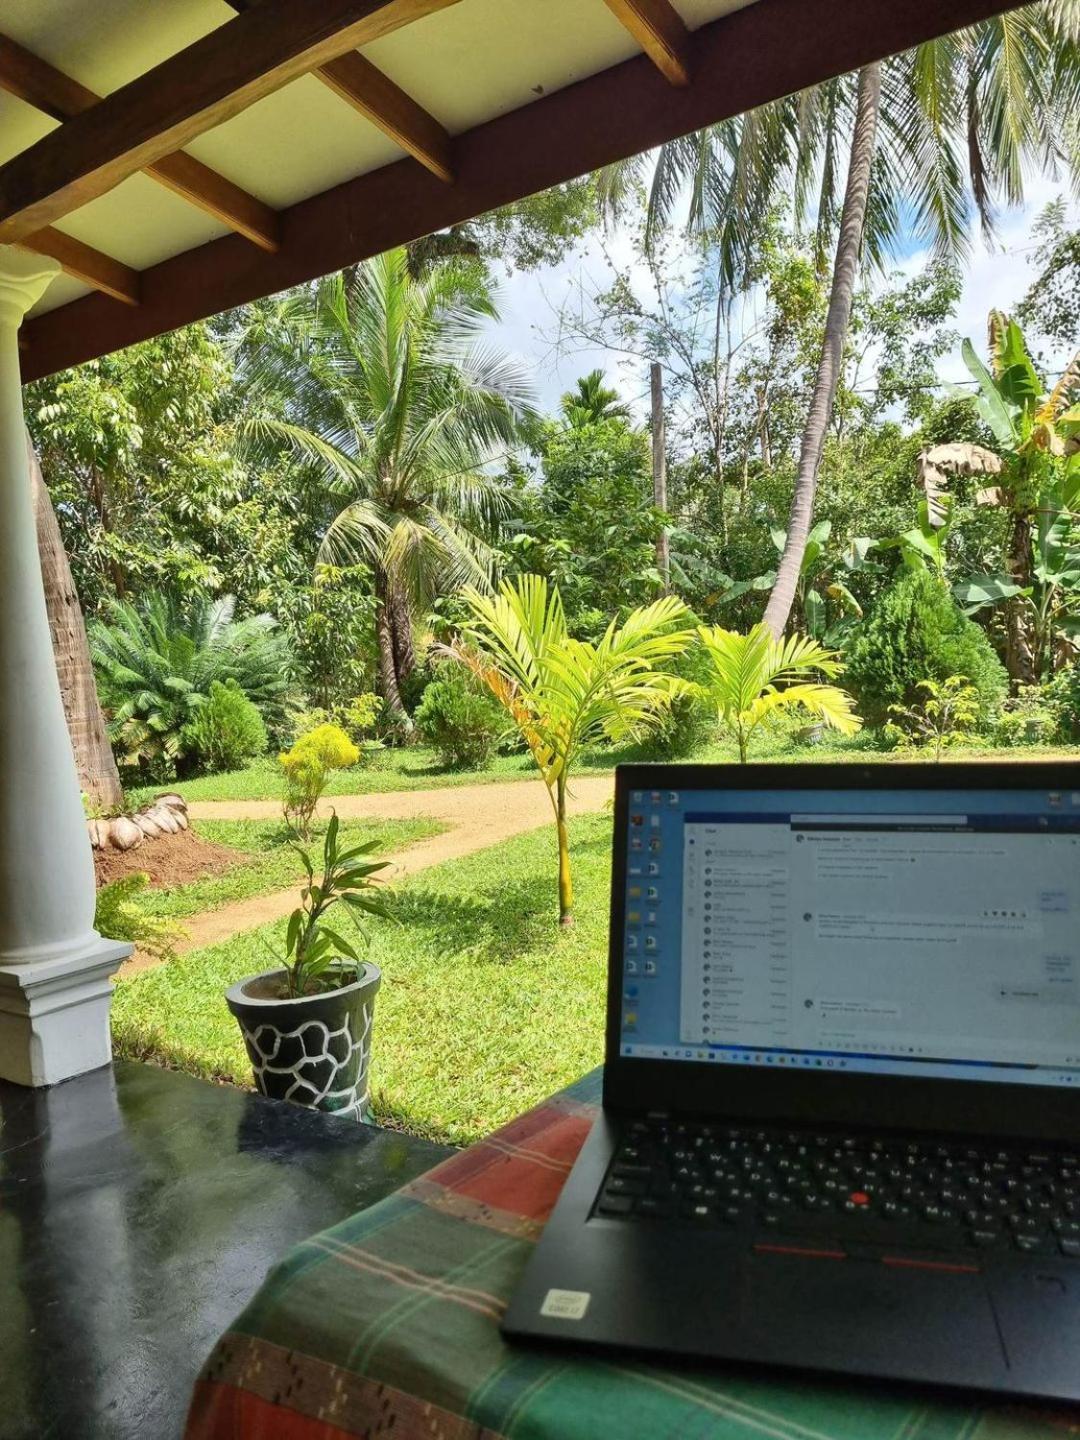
886,1319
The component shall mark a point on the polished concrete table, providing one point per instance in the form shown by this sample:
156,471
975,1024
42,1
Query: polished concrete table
139,1211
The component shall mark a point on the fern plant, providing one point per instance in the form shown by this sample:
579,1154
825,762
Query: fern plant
753,677
155,663
120,916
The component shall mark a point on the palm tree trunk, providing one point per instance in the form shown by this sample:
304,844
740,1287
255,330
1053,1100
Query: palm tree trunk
94,759
384,638
401,631
566,884
838,318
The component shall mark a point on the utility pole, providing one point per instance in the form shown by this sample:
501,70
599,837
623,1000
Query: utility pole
659,470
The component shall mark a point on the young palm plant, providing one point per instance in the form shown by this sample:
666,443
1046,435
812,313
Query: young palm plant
376,381
755,676
563,694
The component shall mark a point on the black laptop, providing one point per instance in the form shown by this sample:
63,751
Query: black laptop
841,1123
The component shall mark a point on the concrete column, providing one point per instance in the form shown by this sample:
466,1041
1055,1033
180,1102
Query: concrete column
54,967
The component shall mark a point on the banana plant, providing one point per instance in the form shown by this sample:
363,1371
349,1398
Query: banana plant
1050,603
563,694
753,677
1036,467
925,545
824,603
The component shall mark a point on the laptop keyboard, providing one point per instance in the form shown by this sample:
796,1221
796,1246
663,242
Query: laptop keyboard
818,1189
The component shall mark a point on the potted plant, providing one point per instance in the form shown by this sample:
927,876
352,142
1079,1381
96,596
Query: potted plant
307,1023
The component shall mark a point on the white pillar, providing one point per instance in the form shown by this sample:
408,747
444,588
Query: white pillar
54,966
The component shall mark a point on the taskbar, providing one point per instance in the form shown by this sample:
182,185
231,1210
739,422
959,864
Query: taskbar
858,1064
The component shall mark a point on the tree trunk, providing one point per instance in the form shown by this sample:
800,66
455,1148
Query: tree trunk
94,759
401,631
659,473
838,318
566,885
1020,659
384,637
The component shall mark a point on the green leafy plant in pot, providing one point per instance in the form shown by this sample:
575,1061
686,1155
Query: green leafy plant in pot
307,1024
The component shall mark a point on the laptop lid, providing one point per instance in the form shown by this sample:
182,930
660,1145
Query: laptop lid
888,945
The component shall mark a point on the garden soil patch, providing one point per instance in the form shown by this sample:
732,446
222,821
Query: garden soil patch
169,860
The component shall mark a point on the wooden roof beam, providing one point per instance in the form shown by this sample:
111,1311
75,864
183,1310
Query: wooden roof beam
379,99
193,91
743,59
51,91
659,29
83,262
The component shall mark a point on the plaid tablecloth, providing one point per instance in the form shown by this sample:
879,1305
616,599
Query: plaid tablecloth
387,1326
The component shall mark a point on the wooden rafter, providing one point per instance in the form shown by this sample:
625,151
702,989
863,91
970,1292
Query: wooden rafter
51,91
383,102
84,263
659,29
621,111
193,91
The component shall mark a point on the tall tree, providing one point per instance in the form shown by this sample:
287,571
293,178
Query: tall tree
94,758
378,383
935,135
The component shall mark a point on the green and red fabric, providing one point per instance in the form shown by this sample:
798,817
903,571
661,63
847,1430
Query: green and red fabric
387,1326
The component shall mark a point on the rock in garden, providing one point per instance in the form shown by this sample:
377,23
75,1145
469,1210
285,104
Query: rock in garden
172,800
98,830
124,834
149,827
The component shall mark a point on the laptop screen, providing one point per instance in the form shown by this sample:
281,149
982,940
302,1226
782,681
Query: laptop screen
926,933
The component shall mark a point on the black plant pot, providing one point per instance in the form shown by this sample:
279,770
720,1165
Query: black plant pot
313,1050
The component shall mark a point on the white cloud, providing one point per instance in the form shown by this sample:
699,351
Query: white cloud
996,276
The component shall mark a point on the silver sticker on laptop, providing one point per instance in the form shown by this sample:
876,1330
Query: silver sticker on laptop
565,1304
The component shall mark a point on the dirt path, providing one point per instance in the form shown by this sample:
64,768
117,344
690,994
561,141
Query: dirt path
476,816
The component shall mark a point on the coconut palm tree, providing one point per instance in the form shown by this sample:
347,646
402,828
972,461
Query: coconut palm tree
754,676
563,694
936,134
378,382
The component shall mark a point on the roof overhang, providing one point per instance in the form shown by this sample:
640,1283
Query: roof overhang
489,100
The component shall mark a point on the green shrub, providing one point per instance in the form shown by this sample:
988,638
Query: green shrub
307,768
917,632
1063,696
1027,718
226,731
462,725
690,721
945,715
119,916
358,717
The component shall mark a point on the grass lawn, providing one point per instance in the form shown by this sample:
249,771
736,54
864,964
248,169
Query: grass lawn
266,861
417,768
485,1008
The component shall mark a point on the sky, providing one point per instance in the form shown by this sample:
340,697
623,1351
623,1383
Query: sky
995,276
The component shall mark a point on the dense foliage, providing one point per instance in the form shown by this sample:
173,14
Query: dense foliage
460,721
917,632
226,730
156,664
